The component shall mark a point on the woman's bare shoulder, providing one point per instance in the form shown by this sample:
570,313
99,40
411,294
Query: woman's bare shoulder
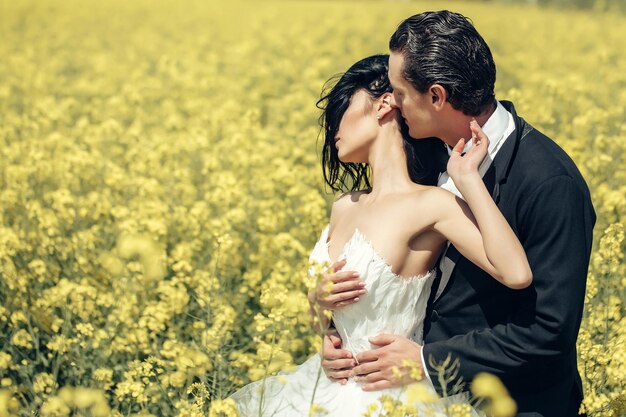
429,194
440,195
430,202
348,199
344,203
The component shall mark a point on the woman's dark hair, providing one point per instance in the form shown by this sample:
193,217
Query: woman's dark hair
426,158
444,48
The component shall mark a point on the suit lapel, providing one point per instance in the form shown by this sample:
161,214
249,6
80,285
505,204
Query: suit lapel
493,178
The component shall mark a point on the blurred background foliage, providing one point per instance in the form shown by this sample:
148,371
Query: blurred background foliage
161,188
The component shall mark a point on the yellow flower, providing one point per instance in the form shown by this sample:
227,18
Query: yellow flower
460,410
5,360
490,387
22,338
223,408
9,406
316,410
135,223
44,383
420,393
371,409
503,407
487,385
55,407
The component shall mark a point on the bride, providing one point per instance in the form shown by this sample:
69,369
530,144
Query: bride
391,233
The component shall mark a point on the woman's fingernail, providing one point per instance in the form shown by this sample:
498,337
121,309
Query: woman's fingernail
361,284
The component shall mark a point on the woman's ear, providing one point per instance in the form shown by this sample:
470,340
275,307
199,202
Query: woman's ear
438,96
384,106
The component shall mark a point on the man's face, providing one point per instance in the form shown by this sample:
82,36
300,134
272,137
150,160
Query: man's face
414,106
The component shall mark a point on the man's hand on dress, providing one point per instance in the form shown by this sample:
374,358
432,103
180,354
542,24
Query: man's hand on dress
336,362
397,362
338,288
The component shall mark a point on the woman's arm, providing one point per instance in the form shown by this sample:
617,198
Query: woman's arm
482,235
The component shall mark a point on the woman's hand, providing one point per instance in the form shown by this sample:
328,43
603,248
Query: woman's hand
338,289
460,166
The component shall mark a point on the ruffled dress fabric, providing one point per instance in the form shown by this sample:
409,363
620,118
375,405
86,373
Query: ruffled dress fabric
392,304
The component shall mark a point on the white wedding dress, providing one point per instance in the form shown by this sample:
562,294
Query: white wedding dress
392,304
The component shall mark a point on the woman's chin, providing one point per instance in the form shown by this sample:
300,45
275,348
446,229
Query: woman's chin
347,160
350,157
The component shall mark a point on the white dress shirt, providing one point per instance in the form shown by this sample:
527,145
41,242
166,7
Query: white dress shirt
497,128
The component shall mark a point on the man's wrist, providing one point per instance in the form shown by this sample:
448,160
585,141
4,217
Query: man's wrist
424,369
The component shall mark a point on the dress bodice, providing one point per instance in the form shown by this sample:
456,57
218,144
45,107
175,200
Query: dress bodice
392,304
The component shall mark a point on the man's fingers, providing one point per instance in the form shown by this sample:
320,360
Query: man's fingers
382,339
344,296
376,386
335,340
338,364
331,346
338,265
338,375
347,302
342,381
339,300
366,368
342,276
334,354
373,377
368,356
352,284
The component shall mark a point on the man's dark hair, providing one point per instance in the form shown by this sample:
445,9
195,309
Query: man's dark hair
444,48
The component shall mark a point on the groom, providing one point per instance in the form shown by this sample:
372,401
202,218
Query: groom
443,74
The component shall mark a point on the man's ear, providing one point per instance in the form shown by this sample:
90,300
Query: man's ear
384,106
438,96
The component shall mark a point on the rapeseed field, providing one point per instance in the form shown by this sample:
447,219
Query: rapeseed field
161,188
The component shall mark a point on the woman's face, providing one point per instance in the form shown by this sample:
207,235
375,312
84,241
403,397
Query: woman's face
358,129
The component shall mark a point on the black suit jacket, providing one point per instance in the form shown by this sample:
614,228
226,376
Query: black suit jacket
525,337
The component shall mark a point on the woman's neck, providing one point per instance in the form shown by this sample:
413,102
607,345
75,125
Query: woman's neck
388,162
